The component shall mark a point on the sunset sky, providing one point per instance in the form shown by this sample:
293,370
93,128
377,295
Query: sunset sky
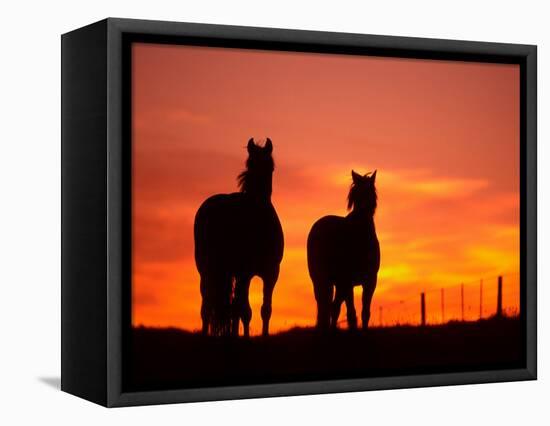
444,137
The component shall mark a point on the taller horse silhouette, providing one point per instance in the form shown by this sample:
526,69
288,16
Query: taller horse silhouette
343,252
239,236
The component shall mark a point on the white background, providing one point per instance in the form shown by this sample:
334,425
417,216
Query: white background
30,211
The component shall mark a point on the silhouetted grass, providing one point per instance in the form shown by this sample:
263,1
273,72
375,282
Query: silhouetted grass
172,358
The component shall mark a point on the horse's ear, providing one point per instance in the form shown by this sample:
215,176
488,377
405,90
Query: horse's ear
373,176
251,145
268,146
356,177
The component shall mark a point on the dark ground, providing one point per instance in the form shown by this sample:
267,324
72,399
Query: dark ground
172,358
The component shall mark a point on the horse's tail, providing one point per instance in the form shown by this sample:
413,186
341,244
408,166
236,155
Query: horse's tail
217,297
221,313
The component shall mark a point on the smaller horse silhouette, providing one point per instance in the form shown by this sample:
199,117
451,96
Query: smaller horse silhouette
239,236
343,252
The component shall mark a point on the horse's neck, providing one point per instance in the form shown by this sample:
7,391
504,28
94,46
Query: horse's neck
361,222
258,189
257,200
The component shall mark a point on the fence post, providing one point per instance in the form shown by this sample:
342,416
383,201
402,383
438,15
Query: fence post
499,297
422,309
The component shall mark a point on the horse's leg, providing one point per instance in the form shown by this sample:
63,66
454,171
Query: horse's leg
350,308
206,307
269,279
336,305
235,310
368,290
204,316
246,312
226,315
323,295
241,306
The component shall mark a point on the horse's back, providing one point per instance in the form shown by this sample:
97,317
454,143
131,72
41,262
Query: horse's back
212,231
232,233
339,249
324,244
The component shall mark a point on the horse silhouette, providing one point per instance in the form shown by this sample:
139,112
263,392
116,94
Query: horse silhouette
239,236
343,252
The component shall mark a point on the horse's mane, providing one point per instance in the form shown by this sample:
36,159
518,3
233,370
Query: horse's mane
257,168
372,198
243,180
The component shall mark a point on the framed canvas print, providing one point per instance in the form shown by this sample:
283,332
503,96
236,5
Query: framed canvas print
251,212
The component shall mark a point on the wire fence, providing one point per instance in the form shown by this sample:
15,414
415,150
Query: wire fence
468,301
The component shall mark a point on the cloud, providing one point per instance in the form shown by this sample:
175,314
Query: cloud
419,182
435,231
446,188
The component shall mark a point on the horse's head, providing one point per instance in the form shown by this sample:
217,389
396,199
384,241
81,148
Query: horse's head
362,194
256,179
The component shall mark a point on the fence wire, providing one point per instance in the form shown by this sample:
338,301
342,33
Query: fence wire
467,301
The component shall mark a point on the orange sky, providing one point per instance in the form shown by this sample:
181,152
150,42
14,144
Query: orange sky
443,135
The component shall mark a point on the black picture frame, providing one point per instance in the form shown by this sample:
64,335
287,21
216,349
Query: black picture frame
96,185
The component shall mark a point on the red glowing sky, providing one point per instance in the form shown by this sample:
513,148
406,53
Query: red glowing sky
443,135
